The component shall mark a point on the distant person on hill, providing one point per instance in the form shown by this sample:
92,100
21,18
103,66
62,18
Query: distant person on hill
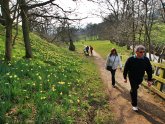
91,50
135,67
113,61
86,50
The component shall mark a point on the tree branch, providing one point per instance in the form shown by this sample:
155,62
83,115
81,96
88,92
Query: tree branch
52,16
40,4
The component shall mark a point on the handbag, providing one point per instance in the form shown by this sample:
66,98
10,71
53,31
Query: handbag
109,68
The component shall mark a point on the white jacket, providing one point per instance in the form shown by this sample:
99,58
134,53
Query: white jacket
113,61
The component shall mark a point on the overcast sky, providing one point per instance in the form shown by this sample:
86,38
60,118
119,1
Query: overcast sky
84,9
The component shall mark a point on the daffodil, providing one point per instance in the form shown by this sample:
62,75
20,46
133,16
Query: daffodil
40,77
15,76
26,97
78,100
53,88
71,101
43,97
61,83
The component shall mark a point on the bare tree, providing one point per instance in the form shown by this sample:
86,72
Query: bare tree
25,23
162,10
8,24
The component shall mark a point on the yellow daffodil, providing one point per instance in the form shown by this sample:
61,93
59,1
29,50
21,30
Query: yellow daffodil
61,83
71,101
53,88
15,76
43,97
40,77
78,100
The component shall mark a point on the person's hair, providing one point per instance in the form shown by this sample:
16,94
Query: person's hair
139,48
112,50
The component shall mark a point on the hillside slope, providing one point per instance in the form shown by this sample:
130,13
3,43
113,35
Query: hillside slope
55,86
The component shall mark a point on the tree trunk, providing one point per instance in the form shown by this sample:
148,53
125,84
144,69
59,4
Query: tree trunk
8,44
162,53
25,29
8,23
149,47
71,45
133,27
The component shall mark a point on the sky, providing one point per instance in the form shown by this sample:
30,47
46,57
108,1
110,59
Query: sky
85,9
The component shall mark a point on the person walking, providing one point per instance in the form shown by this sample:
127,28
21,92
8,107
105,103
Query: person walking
135,67
91,50
113,61
86,50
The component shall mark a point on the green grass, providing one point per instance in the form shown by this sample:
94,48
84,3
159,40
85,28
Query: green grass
56,86
157,34
104,48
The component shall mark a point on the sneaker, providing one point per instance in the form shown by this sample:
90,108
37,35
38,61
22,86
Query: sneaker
135,108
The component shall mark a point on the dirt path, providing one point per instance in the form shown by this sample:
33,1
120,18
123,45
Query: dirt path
151,107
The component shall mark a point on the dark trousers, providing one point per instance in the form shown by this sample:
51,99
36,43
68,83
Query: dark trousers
113,76
134,91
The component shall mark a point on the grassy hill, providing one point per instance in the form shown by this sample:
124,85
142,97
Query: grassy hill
56,86
104,48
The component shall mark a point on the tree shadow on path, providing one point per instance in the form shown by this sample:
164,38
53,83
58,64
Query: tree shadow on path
147,109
